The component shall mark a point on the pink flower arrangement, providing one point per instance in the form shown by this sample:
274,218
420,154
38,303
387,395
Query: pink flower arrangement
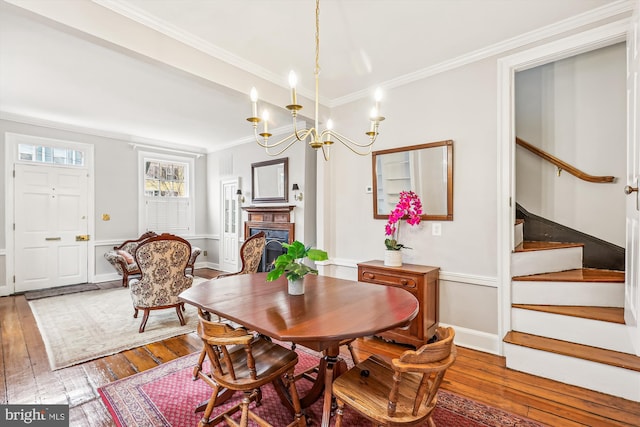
408,205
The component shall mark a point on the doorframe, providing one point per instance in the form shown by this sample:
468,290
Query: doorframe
12,140
596,38
223,183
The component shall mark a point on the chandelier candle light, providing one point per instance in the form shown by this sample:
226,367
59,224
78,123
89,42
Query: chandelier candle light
316,139
408,206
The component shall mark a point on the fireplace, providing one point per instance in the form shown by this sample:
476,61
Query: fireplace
277,226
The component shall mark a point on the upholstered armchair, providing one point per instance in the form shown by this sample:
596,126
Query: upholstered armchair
122,257
162,261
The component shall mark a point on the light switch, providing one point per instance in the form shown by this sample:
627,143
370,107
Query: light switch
436,229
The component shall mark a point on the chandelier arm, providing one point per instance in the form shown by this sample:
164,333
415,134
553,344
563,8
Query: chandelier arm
325,153
305,131
348,141
278,143
286,147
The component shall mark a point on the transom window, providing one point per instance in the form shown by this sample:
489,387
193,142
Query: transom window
50,155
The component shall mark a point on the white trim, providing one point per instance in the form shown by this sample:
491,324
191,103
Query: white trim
137,146
164,27
444,275
68,127
11,141
476,340
605,35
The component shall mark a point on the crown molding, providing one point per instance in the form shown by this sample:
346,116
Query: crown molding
604,12
131,139
590,17
127,10
587,18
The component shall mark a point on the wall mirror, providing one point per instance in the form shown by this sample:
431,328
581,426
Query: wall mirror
269,181
425,169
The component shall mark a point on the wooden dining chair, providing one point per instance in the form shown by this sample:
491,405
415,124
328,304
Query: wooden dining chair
401,393
251,255
240,361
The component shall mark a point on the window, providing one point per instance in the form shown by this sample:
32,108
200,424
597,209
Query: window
50,155
167,197
164,179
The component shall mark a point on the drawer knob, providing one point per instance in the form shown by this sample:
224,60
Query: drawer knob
369,275
404,282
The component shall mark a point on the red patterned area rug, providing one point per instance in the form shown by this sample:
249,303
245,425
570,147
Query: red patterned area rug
167,395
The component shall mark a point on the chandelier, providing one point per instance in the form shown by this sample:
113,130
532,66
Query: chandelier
314,137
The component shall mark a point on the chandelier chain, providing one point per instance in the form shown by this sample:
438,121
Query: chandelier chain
317,69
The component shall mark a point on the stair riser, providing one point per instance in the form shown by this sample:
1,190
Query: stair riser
545,261
518,235
595,294
582,373
607,335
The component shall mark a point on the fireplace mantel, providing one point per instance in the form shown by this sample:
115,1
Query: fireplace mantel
275,221
269,218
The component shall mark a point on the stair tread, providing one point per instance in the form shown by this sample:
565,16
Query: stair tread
604,314
576,275
581,351
527,246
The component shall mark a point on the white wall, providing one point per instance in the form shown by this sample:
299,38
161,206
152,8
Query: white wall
459,105
236,162
575,110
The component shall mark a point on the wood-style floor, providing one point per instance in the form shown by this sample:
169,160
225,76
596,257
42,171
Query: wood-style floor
27,378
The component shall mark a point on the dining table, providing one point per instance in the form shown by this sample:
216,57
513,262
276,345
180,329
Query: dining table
330,311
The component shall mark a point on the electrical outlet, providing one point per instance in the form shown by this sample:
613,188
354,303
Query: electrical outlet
436,229
204,253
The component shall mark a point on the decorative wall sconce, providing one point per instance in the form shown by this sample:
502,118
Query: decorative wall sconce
296,196
240,196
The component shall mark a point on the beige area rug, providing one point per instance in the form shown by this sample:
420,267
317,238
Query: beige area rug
83,326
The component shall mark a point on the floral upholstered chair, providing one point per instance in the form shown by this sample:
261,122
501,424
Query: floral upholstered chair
122,257
162,260
250,254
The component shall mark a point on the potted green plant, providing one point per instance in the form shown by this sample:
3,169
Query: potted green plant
292,266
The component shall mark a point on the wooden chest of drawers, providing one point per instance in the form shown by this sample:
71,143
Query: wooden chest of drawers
422,282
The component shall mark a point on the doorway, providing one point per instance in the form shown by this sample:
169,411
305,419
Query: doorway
230,225
507,67
49,212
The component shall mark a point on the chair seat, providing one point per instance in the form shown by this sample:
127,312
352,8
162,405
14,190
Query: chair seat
370,394
270,359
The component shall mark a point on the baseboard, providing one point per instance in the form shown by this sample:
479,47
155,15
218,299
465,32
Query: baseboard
476,340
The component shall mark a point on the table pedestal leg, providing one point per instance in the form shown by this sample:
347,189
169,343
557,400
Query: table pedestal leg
331,367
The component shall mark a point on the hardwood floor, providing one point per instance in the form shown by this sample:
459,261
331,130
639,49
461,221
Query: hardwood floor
27,378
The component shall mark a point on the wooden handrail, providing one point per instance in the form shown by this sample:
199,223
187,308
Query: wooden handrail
563,165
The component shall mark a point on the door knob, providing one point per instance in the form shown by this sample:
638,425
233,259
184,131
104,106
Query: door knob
629,189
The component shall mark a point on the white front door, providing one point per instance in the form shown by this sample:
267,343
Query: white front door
50,213
632,267
230,226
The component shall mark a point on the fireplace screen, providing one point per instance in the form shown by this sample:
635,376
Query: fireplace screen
273,248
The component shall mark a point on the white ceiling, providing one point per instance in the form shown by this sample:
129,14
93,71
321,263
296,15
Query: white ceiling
53,69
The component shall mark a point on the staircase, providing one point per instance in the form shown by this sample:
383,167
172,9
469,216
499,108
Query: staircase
568,321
